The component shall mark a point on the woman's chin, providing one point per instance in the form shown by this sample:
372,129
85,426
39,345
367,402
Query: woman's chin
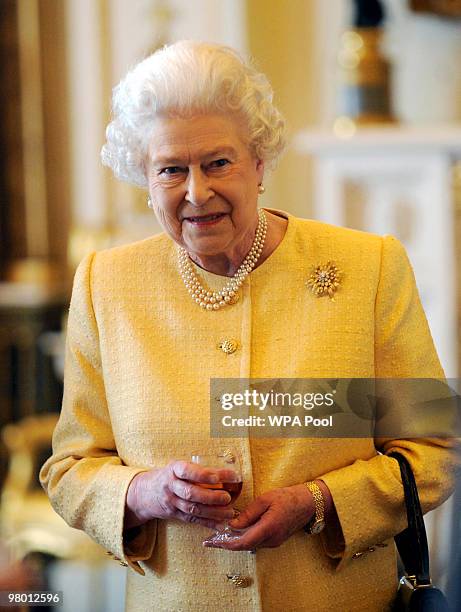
206,246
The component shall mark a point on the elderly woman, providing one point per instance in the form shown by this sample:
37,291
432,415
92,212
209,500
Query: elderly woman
224,292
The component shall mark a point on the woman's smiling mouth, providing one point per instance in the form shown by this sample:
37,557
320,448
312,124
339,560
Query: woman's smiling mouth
205,220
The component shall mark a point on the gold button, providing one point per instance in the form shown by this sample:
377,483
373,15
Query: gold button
357,555
228,456
239,581
371,549
228,345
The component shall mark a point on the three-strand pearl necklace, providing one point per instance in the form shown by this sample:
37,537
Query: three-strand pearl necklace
228,295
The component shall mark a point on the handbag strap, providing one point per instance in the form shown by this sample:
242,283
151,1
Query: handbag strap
412,542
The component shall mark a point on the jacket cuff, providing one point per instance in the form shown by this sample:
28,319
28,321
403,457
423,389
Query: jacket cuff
138,548
368,517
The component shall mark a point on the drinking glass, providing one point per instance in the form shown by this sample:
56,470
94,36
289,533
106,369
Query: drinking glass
225,459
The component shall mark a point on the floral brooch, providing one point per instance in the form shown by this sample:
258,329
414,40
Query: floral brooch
325,280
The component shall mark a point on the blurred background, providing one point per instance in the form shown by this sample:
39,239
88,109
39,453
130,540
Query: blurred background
372,94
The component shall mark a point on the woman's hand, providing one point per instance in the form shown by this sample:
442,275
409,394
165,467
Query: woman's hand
172,493
273,517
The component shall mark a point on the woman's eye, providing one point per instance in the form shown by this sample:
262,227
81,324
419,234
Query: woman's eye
170,170
219,163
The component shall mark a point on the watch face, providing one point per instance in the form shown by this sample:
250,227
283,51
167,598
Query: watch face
317,527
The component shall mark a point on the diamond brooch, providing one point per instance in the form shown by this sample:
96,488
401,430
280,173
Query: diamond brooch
325,280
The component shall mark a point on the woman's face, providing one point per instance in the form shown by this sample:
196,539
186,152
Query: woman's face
203,182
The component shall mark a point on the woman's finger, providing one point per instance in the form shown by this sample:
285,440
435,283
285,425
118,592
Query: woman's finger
204,475
250,514
218,513
195,493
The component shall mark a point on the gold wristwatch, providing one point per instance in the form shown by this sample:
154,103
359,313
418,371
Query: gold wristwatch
317,522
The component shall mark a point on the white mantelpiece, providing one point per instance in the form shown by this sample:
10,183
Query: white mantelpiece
416,139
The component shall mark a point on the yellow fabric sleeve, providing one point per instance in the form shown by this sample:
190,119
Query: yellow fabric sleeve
368,495
84,478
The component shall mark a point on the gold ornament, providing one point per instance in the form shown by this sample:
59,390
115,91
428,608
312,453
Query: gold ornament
228,345
325,280
228,455
239,581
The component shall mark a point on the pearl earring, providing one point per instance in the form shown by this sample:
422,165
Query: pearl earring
261,189
149,202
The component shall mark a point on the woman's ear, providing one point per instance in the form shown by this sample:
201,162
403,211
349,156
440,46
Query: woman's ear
260,169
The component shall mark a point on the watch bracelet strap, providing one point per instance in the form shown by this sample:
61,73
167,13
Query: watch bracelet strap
319,514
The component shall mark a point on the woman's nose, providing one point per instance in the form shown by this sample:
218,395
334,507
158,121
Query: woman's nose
199,190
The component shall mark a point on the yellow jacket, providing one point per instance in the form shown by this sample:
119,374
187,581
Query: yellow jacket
139,358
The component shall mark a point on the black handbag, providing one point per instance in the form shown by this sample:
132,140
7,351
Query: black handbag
416,592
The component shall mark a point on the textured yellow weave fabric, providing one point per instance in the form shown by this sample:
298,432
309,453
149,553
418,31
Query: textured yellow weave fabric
139,358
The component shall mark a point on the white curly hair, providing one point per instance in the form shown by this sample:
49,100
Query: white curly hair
183,79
